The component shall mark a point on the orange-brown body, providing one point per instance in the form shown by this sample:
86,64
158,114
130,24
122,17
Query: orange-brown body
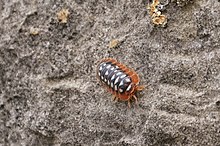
119,80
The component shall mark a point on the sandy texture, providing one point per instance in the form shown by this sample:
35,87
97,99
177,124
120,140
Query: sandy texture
49,94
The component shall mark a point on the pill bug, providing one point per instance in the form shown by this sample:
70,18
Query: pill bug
119,80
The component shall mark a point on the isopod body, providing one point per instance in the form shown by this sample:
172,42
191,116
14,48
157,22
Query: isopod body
119,80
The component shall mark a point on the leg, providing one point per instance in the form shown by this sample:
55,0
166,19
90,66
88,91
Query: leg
136,99
139,88
113,97
129,103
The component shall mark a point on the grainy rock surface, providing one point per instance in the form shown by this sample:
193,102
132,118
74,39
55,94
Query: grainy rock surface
49,94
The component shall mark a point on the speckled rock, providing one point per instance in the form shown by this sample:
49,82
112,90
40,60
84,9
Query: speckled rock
49,94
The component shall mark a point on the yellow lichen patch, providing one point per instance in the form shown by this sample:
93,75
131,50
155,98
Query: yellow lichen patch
113,43
63,15
159,20
155,3
156,15
152,7
34,31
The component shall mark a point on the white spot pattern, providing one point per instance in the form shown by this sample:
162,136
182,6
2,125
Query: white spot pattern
129,87
121,83
116,81
108,66
122,76
116,88
106,73
127,80
112,85
101,66
119,73
113,78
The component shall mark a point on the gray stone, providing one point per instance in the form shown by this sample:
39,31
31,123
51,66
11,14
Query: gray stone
49,93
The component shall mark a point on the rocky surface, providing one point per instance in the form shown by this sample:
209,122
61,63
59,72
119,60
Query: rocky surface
49,94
